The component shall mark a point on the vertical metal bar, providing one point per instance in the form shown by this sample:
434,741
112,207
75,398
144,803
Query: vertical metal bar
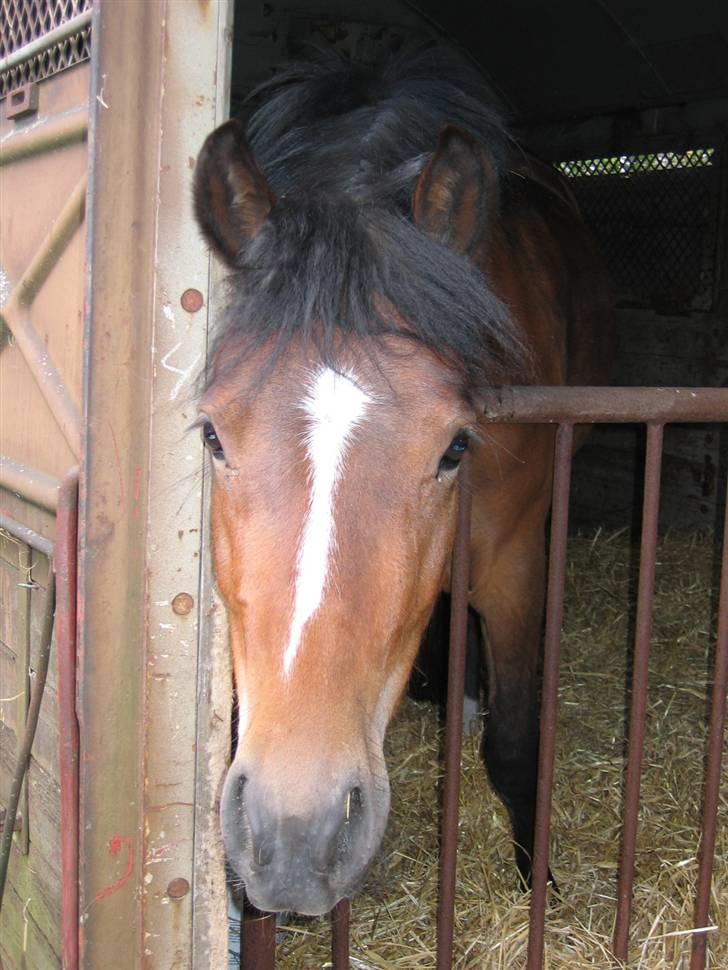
713,767
25,562
257,940
340,935
549,695
454,727
66,563
638,711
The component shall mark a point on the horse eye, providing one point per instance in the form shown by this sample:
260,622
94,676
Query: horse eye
451,459
211,440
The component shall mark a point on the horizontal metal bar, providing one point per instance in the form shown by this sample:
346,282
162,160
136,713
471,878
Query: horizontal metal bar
608,405
26,535
44,135
29,483
53,37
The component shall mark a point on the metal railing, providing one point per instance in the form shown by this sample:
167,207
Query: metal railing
566,407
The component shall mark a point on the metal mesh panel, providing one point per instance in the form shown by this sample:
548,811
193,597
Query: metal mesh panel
655,217
27,20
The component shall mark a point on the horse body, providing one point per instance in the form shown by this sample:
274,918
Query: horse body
378,282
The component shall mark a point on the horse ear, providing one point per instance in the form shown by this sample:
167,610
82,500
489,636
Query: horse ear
456,191
232,197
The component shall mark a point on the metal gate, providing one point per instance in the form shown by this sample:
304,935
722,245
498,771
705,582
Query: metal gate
104,291
44,77
567,407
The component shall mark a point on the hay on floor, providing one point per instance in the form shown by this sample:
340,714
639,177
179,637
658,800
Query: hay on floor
393,921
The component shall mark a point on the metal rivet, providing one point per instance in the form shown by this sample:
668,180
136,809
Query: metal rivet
192,301
178,888
182,604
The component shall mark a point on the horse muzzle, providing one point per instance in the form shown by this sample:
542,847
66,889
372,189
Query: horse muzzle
301,861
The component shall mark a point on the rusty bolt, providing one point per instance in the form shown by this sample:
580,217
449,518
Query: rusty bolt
192,301
178,888
182,604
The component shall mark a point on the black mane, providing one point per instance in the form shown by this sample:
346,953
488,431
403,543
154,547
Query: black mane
342,146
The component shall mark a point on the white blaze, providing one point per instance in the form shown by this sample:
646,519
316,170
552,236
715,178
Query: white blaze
334,407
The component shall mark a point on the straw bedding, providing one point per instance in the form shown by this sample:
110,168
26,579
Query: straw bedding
393,921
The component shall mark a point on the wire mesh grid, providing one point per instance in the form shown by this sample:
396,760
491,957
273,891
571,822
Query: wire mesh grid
27,20
655,217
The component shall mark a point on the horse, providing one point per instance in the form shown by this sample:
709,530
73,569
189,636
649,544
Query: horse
391,253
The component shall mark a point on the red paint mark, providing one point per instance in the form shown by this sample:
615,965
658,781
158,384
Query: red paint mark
115,845
122,493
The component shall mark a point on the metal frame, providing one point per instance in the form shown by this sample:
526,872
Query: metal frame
152,754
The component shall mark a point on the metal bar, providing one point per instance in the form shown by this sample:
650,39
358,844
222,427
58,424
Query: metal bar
23,761
340,915
713,768
257,940
25,563
29,483
25,534
16,315
549,693
66,565
71,27
638,707
48,253
454,727
605,405
49,381
54,132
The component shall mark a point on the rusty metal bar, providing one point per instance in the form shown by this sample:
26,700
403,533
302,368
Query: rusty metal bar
340,915
48,253
638,708
66,566
549,694
26,535
257,940
73,26
454,727
24,589
713,766
49,381
605,405
30,483
55,132
16,315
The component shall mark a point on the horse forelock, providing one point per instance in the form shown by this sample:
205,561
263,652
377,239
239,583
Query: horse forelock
339,256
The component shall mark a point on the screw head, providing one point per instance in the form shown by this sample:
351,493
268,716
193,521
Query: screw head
182,604
178,888
192,300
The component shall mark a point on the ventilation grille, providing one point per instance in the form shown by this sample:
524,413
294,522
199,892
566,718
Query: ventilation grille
655,217
25,21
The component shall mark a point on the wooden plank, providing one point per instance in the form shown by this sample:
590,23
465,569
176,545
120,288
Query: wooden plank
44,810
45,745
25,935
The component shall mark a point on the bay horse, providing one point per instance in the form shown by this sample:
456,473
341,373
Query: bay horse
391,254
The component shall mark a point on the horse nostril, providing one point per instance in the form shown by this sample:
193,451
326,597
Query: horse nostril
354,806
